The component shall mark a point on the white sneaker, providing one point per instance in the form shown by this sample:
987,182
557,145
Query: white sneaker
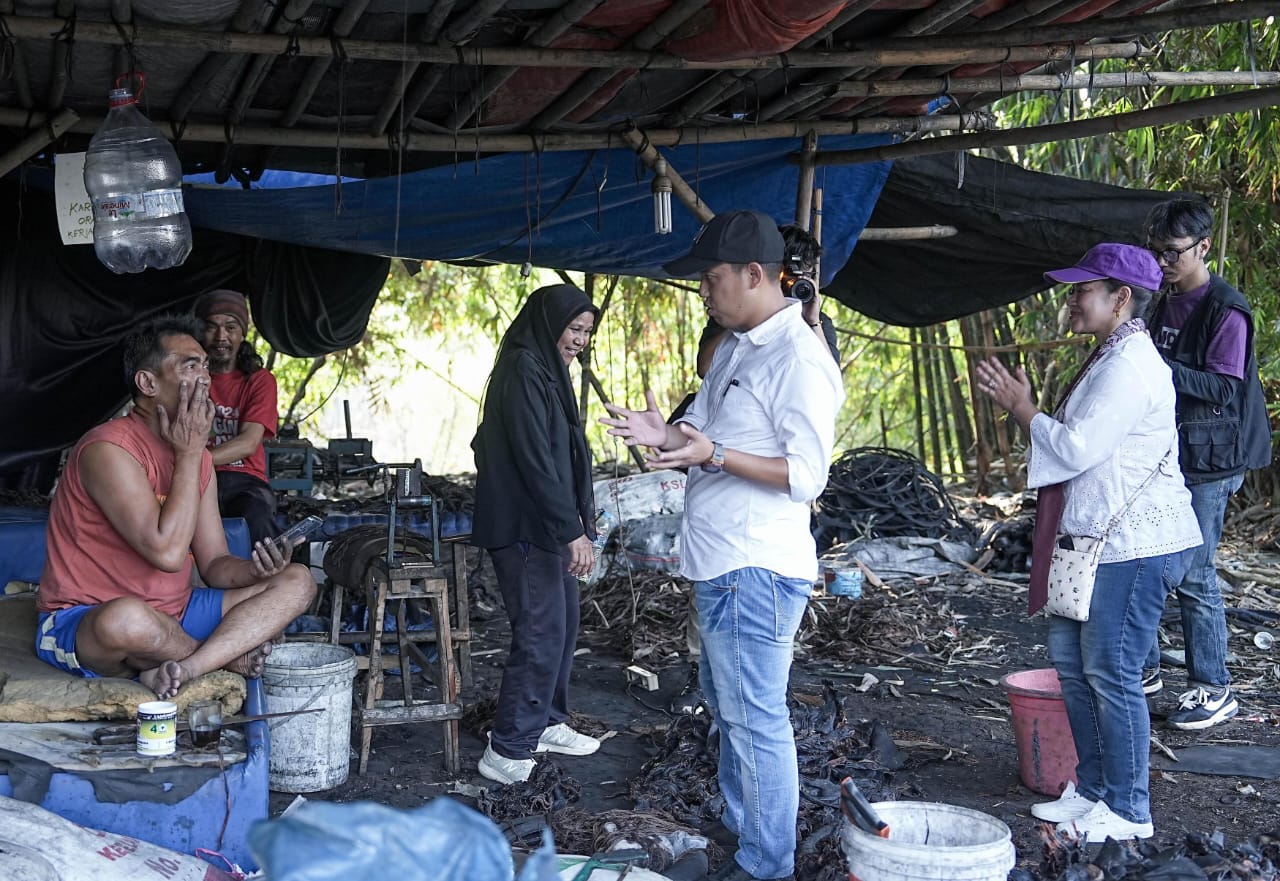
1100,824
1068,806
564,740
503,769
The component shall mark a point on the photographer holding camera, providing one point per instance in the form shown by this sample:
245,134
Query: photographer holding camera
799,282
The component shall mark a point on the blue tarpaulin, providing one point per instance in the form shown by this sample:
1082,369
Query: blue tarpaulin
585,210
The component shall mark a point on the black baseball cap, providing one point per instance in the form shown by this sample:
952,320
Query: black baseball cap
731,237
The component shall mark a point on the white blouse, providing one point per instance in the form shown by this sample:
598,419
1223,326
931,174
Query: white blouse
1117,426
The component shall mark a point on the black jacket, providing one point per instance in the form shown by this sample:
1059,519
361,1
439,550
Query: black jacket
533,470
1222,422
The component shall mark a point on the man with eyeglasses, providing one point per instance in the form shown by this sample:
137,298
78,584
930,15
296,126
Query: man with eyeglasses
1204,328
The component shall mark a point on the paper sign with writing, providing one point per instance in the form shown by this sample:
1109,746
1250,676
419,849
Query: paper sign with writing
75,208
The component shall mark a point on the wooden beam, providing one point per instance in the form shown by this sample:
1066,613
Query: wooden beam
33,143
1006,85
1218,105
637,141
193,39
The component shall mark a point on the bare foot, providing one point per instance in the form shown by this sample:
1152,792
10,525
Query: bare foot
166,679
250,664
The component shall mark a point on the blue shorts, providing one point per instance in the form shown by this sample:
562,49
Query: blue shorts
56,631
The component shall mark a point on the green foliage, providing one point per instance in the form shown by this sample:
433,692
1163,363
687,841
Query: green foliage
1230,159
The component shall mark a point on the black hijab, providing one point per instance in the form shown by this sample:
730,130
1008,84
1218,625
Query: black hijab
536,331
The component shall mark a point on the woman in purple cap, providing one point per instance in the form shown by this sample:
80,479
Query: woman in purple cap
1111,445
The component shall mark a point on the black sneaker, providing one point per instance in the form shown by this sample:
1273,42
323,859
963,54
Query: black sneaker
1152,683
1203,708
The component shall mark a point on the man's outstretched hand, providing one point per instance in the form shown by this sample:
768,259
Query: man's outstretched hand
644,427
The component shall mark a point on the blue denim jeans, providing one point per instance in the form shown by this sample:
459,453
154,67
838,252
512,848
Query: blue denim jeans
1204,623
1099,664
748,619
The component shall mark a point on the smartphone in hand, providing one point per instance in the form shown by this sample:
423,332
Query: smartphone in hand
298,532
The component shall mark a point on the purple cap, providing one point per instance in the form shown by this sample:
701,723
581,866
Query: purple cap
1127,264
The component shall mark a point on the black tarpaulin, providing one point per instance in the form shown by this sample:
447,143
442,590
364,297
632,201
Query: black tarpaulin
63,316
1013,225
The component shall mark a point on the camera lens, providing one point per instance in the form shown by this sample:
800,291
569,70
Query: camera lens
803,289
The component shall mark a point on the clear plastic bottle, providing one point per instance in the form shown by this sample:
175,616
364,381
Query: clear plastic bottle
605,523
134,178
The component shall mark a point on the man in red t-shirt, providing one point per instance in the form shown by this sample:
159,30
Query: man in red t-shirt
133,511
244,393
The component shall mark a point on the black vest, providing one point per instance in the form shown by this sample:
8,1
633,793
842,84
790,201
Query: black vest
1216,441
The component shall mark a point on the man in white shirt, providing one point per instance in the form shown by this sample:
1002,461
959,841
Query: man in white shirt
757,441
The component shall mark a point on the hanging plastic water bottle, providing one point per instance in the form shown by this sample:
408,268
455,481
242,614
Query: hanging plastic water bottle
134,179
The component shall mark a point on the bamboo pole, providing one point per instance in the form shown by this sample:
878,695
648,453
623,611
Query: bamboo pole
964,427
803,97
904,233
931,394
420,142
493,78
1235,102
194,40
682,191
604,399
592,81
399,95
1095,28
918,409
725,85
982,447
1007,85
1221,236
804,185
36,141
342,26
948,440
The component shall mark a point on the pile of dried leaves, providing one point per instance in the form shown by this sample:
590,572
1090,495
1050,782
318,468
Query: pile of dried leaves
894,624
1200,857
639,614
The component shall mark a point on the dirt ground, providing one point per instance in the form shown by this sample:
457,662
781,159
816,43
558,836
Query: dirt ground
949,716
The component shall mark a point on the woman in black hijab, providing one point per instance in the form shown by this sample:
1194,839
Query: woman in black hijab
535,514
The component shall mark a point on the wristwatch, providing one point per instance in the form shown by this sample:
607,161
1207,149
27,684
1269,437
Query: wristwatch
716,463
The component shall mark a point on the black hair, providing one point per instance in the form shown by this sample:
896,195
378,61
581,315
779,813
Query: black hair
1142,298
1180,218
800,245
144,346
247,359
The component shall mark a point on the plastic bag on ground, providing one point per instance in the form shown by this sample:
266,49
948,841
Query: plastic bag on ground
323,841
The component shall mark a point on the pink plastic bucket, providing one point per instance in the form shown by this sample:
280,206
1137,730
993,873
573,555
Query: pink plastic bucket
1046,751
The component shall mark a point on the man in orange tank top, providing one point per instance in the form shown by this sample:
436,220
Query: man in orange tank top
136,508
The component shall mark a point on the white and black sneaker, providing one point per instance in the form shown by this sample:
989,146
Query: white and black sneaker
1152,682
1203,708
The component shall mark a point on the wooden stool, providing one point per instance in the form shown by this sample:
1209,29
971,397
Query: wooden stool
461,630
403,583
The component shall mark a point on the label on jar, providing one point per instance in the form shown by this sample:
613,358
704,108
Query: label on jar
135,206
157,728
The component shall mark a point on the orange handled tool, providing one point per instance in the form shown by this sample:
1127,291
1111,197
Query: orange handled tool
858,811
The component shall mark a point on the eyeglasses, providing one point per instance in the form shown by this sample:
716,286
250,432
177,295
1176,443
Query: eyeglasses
1170,256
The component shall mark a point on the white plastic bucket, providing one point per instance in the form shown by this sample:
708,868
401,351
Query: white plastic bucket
312,751
929,841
